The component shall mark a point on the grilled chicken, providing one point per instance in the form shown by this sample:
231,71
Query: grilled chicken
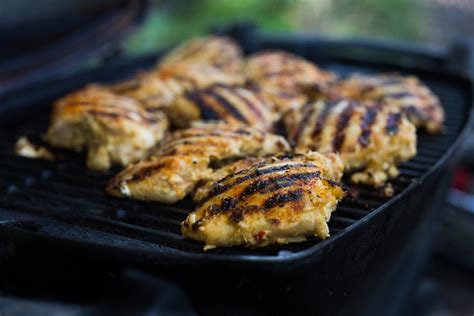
220,102
220,52
159,88
187,157
113,129
279,201
371,138
408,93
283,77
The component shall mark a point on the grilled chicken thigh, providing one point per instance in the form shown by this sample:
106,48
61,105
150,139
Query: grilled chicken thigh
220,102
278,201
186,158
283,77
159,88
371,138
220,52
408,93
113,129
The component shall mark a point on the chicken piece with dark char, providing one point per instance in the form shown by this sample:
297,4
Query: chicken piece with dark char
277,201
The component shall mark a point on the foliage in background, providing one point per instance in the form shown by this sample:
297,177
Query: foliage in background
168,22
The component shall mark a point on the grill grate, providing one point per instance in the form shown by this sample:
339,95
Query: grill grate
67,192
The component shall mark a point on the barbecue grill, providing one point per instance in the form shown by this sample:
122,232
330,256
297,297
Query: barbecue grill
60,208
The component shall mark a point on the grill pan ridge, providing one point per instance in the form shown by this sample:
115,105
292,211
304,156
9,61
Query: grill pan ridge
59,193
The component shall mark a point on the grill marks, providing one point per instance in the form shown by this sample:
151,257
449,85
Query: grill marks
226,105
229,103
112,110
393,121
207,111
341,126
221,186
280,199
366,125
322,117
275,183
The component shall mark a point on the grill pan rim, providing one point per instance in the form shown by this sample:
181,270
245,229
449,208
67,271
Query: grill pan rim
191,257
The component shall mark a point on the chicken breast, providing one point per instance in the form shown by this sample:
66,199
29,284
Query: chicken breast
160,88
187,157
220,52
274,202
233,104
371,138
113,129
283,77
407,93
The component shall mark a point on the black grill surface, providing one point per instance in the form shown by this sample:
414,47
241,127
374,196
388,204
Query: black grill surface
64,199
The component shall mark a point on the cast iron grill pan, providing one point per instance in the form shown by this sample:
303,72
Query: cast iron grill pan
65,200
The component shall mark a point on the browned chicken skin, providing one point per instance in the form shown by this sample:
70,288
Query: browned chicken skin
283,77
113,129
407,93
219,102
186,158
277,201
371,138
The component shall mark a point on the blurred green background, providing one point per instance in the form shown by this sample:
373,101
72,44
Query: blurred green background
169,22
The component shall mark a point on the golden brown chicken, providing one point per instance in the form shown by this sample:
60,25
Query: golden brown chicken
187,157
274,202
232,104
284,77
220,52
159,88
371,138
408,93
113,129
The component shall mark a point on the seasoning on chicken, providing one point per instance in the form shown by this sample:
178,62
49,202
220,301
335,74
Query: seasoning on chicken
113,129
231,104
275,202
408,93
220,52
159,88
371,138
187,157
284,77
